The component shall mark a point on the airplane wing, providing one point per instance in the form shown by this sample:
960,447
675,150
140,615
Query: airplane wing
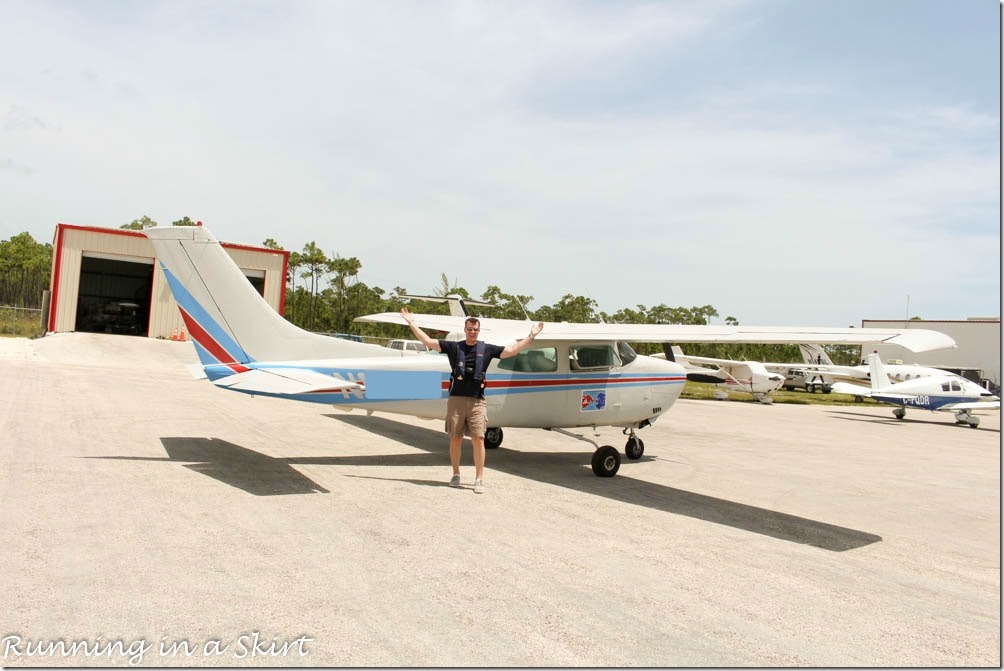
972,405
284,381
504,331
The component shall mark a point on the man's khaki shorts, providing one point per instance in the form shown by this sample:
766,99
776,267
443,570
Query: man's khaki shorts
466,416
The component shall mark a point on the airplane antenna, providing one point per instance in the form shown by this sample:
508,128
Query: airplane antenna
521,307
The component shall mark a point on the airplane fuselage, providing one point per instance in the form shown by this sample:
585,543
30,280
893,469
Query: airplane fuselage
930,392
622,394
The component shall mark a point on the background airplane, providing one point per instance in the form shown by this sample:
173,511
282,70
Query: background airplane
576,375
458,304
751,377
944,393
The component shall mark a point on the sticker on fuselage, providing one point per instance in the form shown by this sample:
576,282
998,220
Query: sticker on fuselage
593,399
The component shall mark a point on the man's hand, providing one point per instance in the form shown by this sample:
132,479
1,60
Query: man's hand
407,315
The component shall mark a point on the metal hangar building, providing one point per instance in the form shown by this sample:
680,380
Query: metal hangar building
978,340
105,280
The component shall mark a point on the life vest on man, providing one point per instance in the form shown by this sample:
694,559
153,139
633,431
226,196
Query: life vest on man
479,362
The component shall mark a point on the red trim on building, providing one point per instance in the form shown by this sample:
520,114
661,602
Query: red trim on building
282,296
57,247
99,229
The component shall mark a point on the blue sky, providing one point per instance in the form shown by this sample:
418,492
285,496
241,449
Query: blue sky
787,162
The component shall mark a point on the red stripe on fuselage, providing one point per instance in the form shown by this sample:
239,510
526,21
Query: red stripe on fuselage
200,336
516,383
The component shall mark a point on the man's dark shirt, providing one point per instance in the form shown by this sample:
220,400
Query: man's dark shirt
468,386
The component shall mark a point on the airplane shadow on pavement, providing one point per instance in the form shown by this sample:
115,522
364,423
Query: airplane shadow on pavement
237,466
263,475
560,469
889,420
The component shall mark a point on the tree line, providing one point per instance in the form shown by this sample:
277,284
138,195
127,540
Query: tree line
324,294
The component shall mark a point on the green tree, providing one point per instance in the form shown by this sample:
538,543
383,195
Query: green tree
316,266
346,273
569,309
24,270
507,306
184,221
139,224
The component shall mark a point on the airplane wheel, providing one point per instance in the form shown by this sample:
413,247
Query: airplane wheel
974,422
899,413
606,462
634,448
493,437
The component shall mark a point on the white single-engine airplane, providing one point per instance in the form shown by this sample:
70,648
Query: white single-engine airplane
947,392
576,375
751,377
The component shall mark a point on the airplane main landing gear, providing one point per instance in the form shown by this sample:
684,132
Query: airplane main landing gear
493,437
606,459
606,462
965,417
899,413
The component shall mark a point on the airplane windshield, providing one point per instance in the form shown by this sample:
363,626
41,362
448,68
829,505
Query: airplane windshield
627,354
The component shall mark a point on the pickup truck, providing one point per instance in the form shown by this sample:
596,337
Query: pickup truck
799,378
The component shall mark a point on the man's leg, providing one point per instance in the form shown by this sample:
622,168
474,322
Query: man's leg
478,424
479,456
455,453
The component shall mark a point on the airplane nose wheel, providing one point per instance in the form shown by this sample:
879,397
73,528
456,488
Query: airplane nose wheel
606,461
634,448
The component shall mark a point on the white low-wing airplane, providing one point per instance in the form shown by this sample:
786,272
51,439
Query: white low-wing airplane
947,392
576,375
751,377
896,372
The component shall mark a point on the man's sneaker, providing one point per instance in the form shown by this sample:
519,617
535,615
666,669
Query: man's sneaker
479,487
455,480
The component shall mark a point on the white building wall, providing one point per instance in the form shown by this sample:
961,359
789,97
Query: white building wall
978,340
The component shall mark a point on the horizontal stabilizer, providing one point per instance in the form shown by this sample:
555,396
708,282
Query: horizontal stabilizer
196,370
852,389
284,381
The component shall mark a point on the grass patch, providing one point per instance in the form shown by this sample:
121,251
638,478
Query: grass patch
706,391
20,322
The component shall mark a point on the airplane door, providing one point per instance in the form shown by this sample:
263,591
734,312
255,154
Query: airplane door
596,396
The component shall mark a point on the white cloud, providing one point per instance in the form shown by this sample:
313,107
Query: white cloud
570,142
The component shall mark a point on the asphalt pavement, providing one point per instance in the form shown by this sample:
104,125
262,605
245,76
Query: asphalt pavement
152,519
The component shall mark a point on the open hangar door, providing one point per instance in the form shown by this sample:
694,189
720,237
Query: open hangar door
115,294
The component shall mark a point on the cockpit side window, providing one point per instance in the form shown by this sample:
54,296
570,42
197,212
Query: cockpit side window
537,360
593,357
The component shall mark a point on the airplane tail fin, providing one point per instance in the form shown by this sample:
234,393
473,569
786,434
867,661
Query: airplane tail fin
876,371
814,354
229,322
